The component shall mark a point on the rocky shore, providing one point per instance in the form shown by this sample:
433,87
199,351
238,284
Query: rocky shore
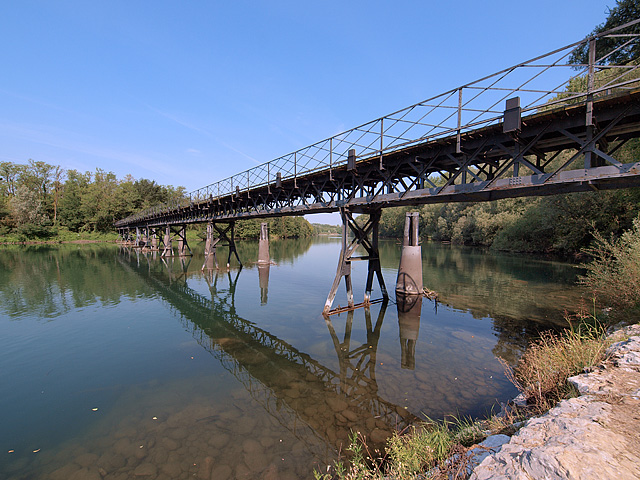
593,436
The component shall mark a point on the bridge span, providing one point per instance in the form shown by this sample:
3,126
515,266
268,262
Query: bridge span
542,127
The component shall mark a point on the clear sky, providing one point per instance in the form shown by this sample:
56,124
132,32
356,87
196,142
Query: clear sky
190,92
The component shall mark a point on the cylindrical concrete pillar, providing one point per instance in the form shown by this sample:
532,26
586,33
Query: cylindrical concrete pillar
209,256
263,246
409,280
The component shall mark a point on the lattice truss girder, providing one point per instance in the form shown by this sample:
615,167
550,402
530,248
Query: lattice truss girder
551,153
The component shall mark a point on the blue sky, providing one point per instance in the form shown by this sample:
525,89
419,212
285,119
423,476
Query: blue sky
190,92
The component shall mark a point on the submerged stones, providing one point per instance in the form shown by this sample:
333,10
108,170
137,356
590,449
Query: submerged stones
283,437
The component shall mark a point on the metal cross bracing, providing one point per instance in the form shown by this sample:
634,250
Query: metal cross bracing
198,314
541,127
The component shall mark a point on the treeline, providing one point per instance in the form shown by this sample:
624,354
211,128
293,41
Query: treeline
561,224
39,200
324,229
281,227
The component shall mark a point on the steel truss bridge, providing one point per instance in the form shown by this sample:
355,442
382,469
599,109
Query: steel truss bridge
542,127
266,364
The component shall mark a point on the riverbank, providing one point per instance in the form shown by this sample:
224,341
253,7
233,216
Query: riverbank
591,436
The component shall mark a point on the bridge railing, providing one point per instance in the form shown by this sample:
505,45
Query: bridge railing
545,82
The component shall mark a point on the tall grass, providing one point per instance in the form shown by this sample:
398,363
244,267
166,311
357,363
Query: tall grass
541,373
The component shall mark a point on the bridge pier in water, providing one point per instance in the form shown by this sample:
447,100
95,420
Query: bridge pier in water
409,281
179,232
263,245
227,234
367,237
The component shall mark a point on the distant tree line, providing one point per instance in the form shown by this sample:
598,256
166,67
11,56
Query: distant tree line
39,200
560,224
280,227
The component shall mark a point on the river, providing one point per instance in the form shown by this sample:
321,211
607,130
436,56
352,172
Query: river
114,363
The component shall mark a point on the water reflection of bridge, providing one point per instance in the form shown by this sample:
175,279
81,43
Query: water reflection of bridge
289,384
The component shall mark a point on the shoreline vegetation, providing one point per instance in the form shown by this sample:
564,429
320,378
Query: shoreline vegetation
297,228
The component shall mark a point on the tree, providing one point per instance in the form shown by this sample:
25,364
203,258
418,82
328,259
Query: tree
9,173
73,190
58,174
27,213
624,12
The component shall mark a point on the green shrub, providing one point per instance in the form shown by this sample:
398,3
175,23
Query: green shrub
614,273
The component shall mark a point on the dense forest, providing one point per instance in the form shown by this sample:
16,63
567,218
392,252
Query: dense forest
39,200
561,224
43,201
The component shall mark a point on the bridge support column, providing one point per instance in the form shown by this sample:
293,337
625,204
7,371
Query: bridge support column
154,240
168,249
263,246
211,244
183,246
409,280
138,236
210,261
361,238
409,311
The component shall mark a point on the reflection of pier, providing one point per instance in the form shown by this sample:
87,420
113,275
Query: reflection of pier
289,384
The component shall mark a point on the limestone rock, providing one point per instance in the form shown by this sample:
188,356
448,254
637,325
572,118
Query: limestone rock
594,436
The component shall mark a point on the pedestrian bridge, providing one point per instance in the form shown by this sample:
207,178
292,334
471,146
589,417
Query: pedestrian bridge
542,127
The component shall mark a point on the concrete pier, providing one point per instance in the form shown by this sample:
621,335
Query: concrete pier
183,246
210,261
263,246
168,248
409,280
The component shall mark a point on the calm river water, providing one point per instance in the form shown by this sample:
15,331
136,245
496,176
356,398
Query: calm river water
114,364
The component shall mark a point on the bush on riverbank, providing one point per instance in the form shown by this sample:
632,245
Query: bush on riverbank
613,276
